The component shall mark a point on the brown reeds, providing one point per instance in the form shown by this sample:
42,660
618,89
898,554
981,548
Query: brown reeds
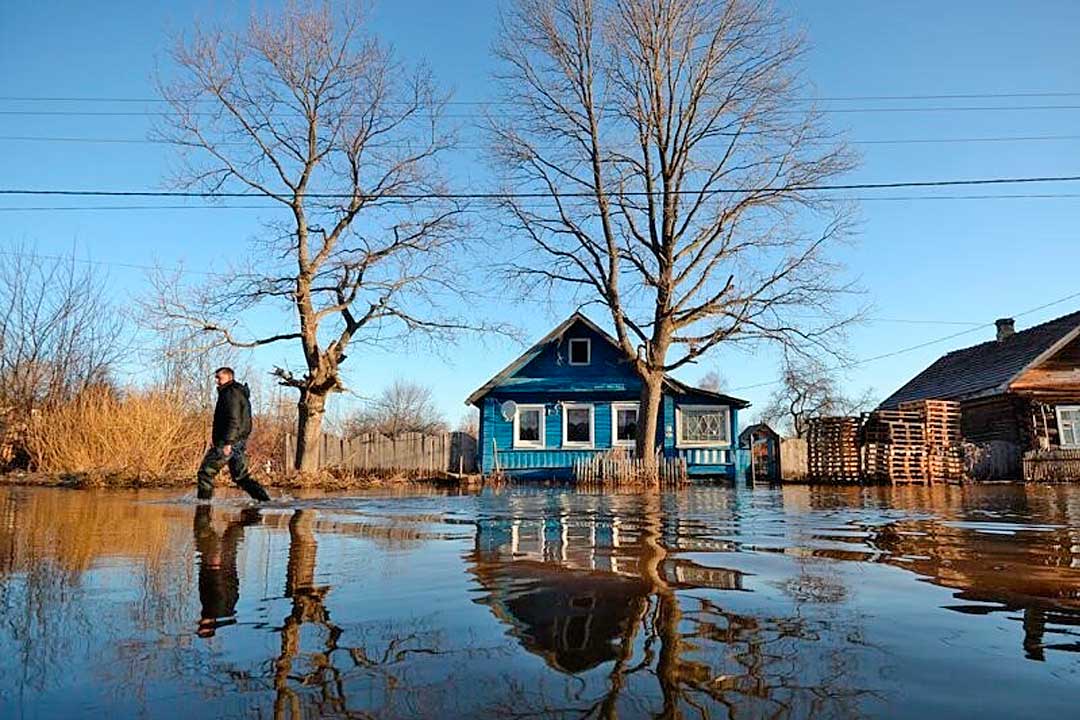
132,436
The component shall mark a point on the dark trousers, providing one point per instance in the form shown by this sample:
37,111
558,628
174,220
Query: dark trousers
215,459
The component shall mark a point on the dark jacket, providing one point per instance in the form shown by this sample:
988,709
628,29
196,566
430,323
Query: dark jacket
232,415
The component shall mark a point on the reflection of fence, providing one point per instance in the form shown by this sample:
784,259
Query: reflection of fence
414,453
1051,465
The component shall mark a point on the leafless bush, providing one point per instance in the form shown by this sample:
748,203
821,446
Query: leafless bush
402,407
59,332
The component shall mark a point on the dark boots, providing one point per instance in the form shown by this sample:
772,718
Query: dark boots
211,465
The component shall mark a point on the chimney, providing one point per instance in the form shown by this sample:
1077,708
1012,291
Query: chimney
1005,328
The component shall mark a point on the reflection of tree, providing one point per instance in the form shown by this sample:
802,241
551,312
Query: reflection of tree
307,607
316,683
677,645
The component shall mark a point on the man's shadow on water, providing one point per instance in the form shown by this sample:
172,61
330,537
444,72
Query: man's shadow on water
219,582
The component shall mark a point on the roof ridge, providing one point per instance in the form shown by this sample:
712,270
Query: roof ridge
976,369
1018,333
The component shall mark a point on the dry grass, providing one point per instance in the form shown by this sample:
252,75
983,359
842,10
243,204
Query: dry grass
103,435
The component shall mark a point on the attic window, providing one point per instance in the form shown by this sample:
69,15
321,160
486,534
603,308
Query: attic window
580,351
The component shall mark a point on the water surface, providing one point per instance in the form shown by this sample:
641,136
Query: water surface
707,603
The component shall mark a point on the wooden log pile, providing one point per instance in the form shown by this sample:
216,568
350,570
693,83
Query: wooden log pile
944,449
893,446
833,449
919,442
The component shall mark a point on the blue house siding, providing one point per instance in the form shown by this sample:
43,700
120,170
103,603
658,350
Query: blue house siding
545,376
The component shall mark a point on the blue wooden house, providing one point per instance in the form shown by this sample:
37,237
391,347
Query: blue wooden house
573,395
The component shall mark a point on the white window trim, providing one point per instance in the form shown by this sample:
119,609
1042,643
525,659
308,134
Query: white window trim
588,351
566,408
679,442
1075,424
530,444
615,408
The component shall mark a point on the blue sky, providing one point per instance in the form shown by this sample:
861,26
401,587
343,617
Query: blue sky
930,263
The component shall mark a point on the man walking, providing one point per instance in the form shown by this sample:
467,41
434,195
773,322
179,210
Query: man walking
232,425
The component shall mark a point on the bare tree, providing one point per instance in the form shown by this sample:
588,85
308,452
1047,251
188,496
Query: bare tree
809,389
401,407
59,332
712,380
671,160
469,423
185,372
307,112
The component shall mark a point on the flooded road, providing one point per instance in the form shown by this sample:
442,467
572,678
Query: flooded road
707,603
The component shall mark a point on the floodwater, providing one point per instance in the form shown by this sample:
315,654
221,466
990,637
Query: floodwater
713,602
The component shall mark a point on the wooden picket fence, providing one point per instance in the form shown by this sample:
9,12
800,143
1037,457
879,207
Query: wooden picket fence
617,468
410,453
1056,465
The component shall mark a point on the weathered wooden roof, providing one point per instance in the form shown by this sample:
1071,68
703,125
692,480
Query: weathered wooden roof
756,428
987,368
507,381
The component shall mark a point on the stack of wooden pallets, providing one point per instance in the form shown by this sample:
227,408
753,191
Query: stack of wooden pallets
893,446
833,449
944,453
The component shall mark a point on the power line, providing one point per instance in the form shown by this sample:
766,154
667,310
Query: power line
544,195
268,206
920,346
111,263
873,141
827,111
834,98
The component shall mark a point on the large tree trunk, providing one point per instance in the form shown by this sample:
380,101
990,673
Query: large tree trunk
311,408
652,388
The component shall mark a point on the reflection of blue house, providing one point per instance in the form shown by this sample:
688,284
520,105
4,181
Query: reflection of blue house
573,395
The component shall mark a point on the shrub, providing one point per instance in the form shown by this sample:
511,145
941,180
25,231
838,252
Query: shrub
108,435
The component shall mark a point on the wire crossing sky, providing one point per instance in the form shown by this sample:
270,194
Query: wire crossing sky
949,105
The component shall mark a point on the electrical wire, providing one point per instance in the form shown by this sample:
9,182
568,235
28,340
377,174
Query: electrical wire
546,195
919,346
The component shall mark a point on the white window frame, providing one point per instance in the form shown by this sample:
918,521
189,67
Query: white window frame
566,408
530,444
679,442
1075,445
570,350
615,408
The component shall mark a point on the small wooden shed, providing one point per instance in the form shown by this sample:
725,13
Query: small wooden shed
762,444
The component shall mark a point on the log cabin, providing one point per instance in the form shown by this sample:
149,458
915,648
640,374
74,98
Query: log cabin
1019,396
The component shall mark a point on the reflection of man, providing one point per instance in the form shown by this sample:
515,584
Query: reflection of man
219,584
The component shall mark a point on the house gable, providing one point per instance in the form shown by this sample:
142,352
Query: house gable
989,368
1058,373
546,367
